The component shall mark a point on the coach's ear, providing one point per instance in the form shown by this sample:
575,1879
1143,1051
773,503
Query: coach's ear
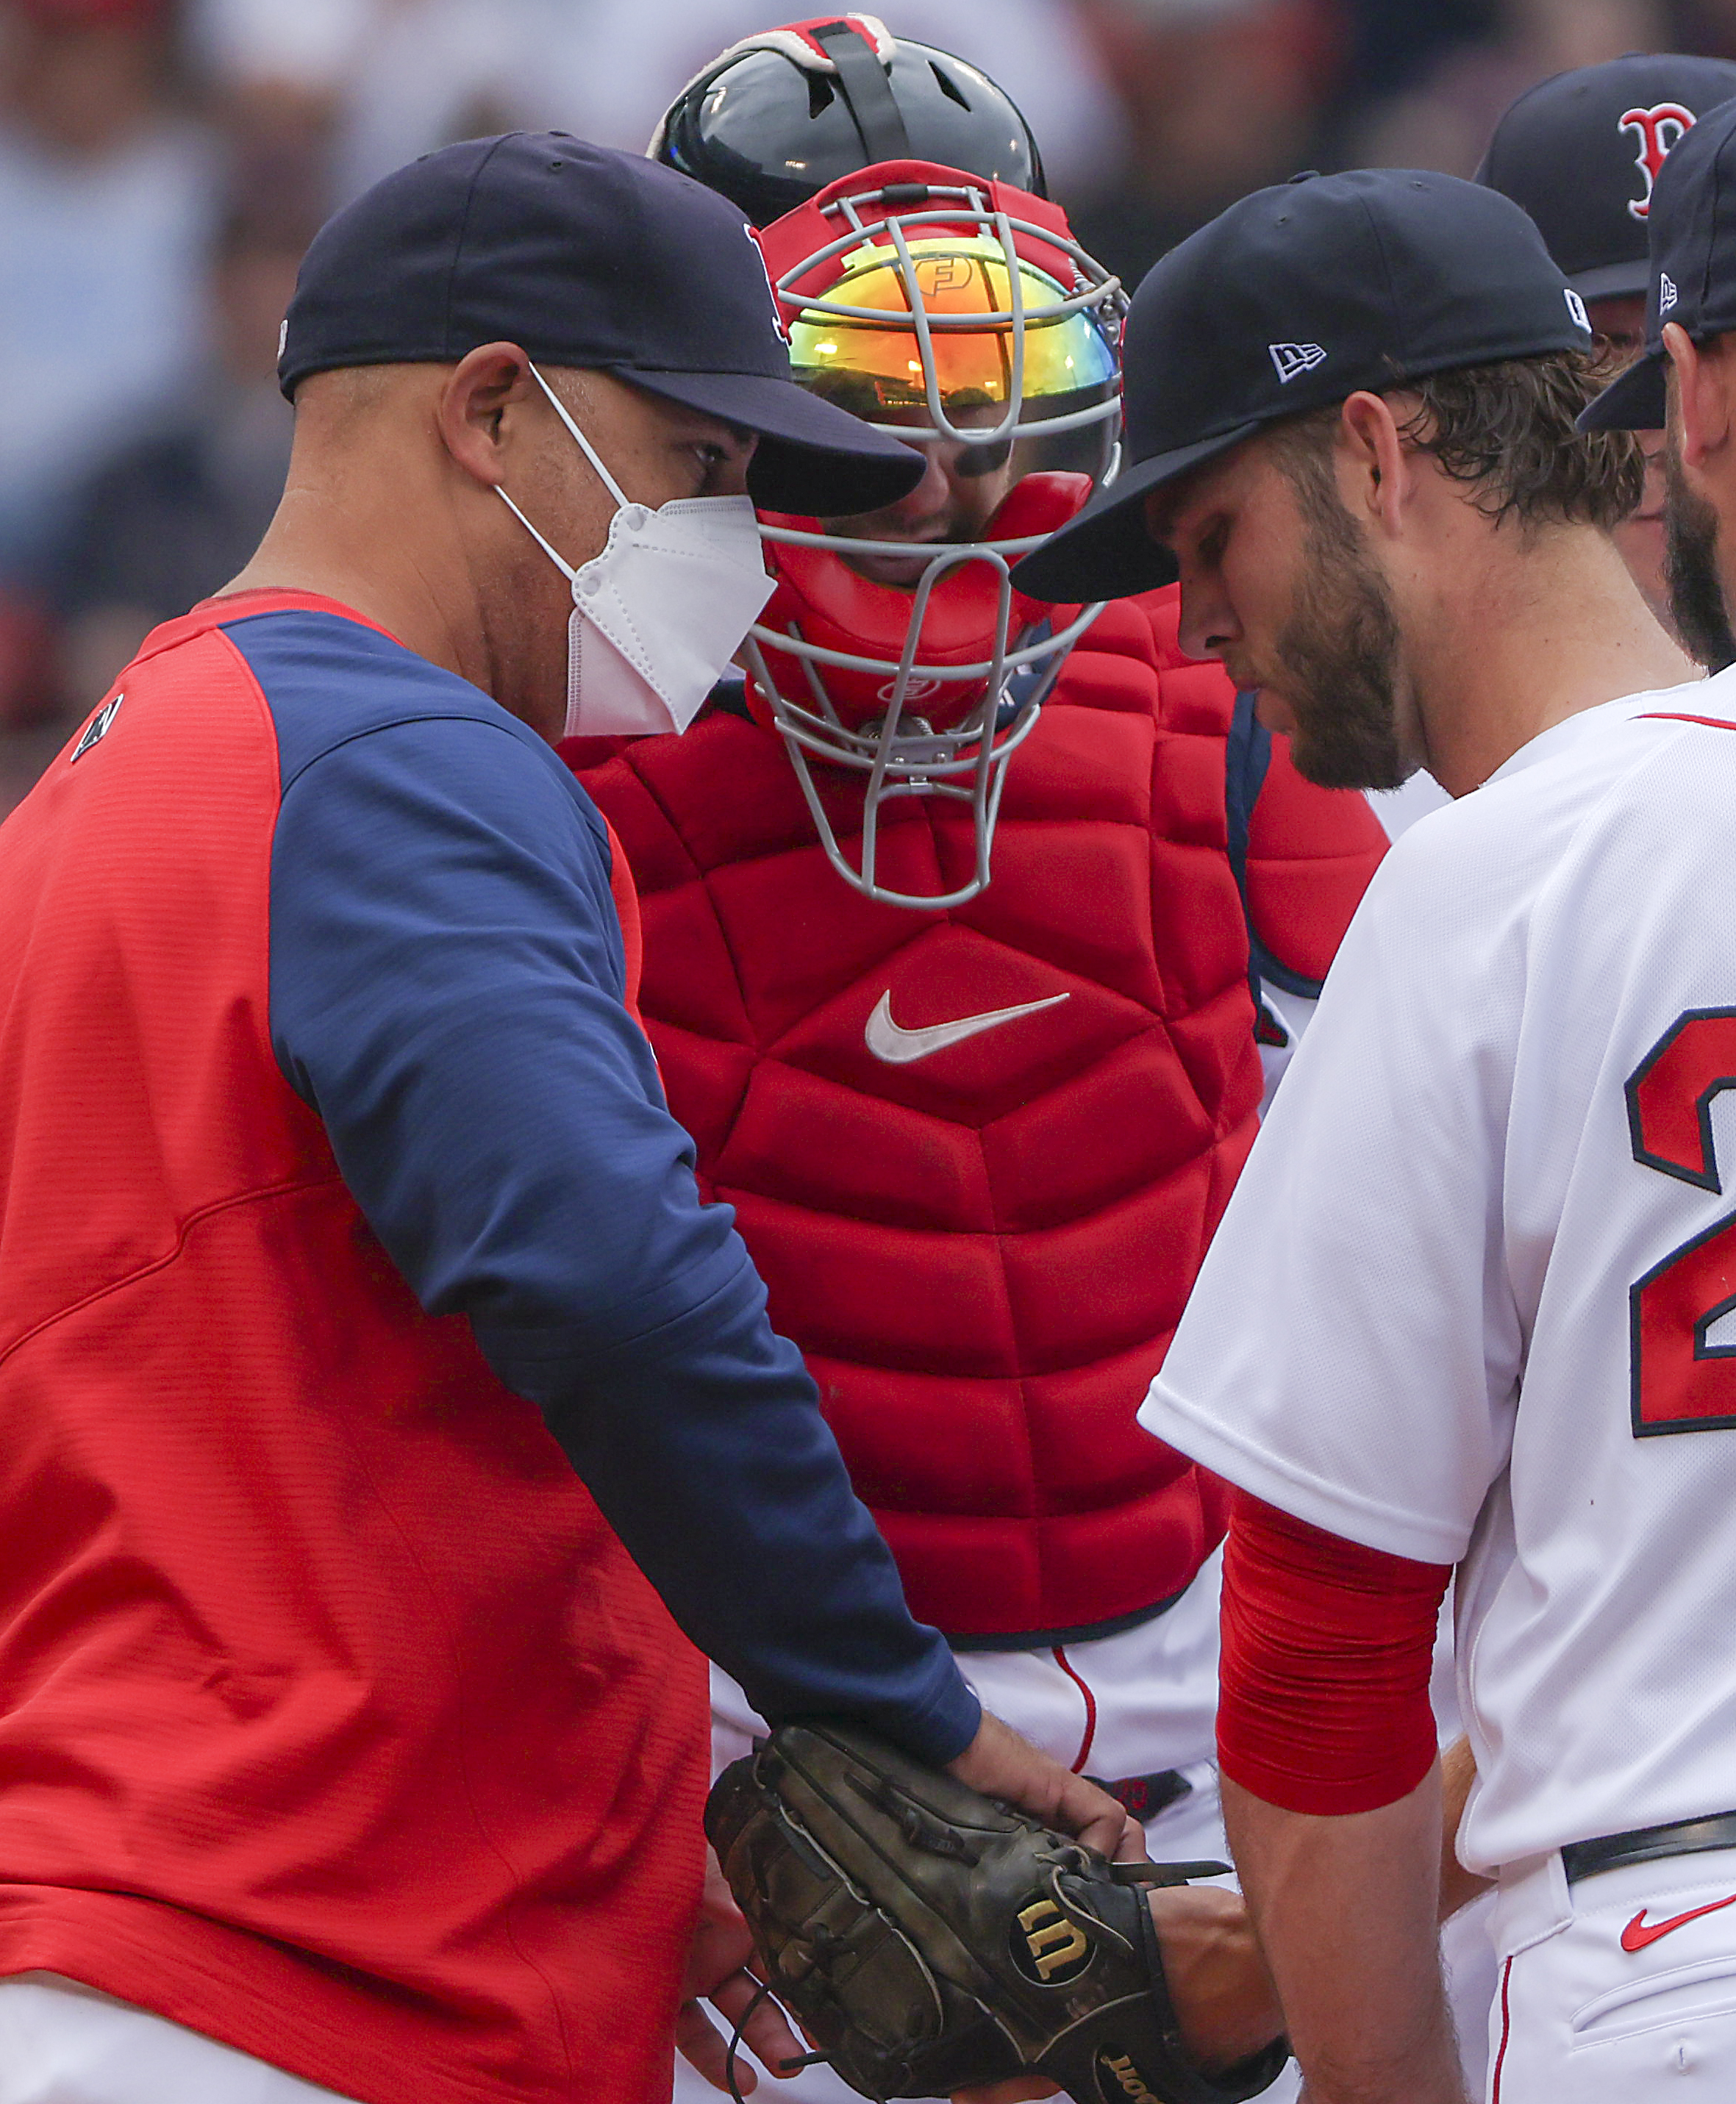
1374,472
482,391
1701,397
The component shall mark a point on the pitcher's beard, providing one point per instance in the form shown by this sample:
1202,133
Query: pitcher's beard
1697,605
1340,654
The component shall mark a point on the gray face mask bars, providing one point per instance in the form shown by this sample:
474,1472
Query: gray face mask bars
899,751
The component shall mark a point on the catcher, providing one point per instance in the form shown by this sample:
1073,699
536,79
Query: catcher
968,922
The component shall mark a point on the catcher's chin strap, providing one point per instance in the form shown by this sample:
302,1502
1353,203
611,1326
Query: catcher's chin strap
867,92
787,2067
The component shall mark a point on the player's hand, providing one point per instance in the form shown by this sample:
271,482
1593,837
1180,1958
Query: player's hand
717,1972
999,1763
1225,2000
1223,1993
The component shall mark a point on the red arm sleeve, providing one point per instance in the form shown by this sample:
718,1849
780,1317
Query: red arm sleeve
1327,1649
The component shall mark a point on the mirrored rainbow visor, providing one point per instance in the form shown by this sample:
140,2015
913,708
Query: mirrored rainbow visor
874,369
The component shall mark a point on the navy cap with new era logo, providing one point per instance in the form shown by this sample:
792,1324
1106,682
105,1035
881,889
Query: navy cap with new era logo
1293,299
1693,236
583,255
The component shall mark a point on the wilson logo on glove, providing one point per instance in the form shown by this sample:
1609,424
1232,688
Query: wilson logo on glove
1123,2076
1057,1949
927,1939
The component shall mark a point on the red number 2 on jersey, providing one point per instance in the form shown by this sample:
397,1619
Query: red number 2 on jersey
1680,1382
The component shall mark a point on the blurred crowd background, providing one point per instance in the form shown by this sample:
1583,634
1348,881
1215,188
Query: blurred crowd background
163,163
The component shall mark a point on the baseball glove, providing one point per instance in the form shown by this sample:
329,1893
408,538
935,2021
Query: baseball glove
926,1937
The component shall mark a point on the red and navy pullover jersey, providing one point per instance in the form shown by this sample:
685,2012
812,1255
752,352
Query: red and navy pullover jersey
364,1348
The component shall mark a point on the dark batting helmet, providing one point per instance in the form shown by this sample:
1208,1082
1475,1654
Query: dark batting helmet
778,116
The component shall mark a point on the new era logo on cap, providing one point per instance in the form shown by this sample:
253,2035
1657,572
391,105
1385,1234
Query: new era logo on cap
1576,308
1668,295
1293,360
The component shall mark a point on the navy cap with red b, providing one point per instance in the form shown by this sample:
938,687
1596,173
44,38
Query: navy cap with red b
583,255
1582,152
1692,267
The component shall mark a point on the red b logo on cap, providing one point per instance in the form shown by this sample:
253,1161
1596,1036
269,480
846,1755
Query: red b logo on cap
1657,130
778,322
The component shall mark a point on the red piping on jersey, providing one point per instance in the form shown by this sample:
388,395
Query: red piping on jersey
1327,1649
1671,716
1083,1754
625,894
1506,2027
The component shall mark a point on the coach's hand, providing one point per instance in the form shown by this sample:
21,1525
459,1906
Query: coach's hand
717,1972
999,1763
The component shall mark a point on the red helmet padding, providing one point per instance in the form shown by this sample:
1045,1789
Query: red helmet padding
823,61
788,242
829,603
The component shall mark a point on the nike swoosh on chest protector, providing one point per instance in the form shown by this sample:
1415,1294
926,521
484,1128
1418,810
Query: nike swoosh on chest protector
899,1048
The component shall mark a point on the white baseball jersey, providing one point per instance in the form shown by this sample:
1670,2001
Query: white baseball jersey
1471,1302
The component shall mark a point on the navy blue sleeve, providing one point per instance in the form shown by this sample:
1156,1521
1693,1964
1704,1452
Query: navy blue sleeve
446,993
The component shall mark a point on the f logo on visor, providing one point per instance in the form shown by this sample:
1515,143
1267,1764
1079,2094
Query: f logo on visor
1655,131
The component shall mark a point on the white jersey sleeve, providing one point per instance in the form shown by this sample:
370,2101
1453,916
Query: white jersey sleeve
1473,1300
1358,1279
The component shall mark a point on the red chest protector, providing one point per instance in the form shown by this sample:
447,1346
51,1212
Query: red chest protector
978,1154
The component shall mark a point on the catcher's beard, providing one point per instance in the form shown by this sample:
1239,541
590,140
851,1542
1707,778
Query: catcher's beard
1697,605
1340,651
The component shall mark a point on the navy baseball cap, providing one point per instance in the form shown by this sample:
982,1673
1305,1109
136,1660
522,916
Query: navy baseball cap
1692,231
583,255
1581,152
1291,301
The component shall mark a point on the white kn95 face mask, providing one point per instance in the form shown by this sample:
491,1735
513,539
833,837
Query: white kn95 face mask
659,614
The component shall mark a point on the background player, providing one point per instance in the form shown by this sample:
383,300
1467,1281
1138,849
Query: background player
1581,153
976,1137
1494,1156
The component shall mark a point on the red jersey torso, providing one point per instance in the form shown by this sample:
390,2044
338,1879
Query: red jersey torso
978,1154
335,1721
